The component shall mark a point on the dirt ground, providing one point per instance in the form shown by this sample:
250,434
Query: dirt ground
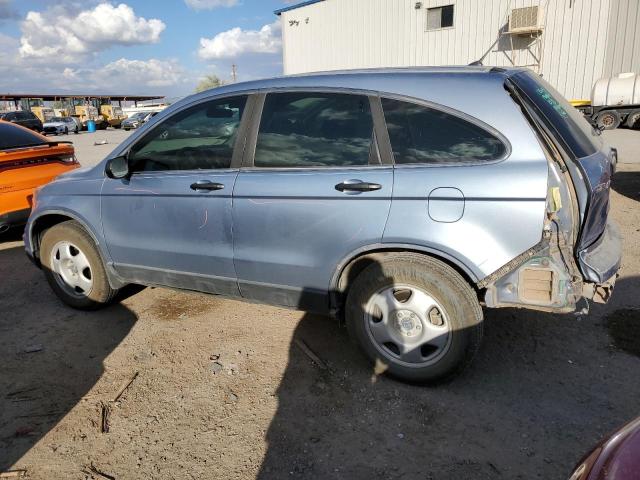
224,391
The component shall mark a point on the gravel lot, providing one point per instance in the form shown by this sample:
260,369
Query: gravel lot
224,391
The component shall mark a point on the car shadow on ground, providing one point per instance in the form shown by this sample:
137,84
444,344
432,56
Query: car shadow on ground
627,183
542,391
51,356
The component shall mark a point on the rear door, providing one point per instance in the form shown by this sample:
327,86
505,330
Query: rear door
313,189
170,222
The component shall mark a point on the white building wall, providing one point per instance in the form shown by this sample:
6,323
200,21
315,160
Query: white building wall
582,40
623,49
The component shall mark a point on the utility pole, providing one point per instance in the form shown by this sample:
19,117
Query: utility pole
234,73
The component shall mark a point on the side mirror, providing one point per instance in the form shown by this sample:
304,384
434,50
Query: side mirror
118,167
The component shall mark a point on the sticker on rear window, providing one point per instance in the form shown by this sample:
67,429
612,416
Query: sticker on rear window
551,101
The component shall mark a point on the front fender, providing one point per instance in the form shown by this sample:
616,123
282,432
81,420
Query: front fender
44,218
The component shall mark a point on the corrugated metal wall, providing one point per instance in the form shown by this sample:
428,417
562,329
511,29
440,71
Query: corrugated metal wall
343,34
623,49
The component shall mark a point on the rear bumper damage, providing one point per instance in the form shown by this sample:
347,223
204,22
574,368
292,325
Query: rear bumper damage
543,280
601,261
600,264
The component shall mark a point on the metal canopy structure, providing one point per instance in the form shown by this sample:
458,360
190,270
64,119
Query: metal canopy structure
54,97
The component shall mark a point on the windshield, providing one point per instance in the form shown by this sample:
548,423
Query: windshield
16,137
56,119
137,116
571,126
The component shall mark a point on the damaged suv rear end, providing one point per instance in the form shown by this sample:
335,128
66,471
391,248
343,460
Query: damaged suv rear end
579,255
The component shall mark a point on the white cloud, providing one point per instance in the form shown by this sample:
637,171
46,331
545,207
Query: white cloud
209,4
120,76
57,35
236,41
151,73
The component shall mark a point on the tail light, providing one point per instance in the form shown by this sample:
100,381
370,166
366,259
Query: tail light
34,162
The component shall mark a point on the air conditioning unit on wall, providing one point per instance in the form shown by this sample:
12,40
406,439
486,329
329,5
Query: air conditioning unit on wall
526,20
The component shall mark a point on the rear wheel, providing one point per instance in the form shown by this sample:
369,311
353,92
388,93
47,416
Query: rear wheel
415,315
73,267
633,120
608,120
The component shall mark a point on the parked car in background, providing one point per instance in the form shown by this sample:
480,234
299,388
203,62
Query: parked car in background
400,200
25,118
60,126
27,161
614,458
137,120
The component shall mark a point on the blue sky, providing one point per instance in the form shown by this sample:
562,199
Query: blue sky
135,46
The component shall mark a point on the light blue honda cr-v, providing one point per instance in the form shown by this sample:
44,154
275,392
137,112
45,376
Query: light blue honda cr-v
399,200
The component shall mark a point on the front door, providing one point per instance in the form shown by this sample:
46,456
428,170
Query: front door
170,223
313,192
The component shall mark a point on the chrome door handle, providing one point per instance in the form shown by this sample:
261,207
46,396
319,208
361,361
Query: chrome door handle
357,186
206,185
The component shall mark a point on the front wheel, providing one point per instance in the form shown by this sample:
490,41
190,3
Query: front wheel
66,131
416,316
73,267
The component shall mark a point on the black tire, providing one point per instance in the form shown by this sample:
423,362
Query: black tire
76,131
66,130
447,287
101,292
633,120
608,120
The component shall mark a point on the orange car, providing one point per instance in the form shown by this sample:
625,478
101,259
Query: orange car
27,160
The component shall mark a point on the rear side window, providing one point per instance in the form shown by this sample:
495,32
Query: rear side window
421,134
571,126
200,137
315,130
15,137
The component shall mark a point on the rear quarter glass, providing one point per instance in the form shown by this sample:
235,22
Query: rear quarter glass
573,130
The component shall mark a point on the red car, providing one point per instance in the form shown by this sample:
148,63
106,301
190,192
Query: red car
616,458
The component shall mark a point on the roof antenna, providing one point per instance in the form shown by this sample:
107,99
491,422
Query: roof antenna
477,63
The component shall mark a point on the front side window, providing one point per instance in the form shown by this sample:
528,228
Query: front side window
440,17
200,137
421,134
315,130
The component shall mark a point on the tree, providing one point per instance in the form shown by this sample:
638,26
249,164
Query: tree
210,81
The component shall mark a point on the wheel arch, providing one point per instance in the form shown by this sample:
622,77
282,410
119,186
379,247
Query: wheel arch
349,268
51,218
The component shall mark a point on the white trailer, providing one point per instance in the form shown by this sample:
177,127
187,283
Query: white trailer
615,101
